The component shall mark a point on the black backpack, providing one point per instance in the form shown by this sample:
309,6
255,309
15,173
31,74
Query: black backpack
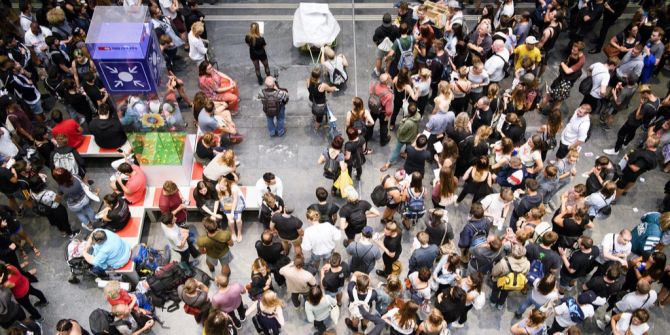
124,213
331,168
378,195
271,102
164,282
102,322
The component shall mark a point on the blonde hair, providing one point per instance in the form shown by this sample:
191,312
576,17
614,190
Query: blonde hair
445,90
424,73
209,138
112,290
228,158
198,28
313,214
482,134
270,299
254,32
258,264
56,16
190,286
328,52
462,122
221,281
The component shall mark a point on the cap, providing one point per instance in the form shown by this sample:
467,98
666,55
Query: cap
645,89
587,297
499,36
531,40
453,4
367,230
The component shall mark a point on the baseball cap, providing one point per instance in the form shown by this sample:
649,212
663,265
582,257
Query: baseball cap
531,40
645,89
587,297
367,231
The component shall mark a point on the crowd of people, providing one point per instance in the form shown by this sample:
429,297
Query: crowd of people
529,226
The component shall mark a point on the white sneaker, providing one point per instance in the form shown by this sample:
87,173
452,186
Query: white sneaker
457,325
600,324
611,152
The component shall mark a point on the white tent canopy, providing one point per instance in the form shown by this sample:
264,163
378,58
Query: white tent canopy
314,25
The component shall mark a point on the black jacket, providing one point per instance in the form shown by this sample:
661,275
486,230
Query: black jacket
385,31
108,133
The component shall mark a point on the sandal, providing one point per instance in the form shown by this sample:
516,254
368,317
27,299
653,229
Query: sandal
36,252
384,168
24,264
32,271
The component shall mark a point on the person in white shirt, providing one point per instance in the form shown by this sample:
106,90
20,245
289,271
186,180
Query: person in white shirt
269,183
35,37
643,297
495,65
631,323
177,238
576,131
614,247
498,205
563,320
600,73
319,238
197,48
26,17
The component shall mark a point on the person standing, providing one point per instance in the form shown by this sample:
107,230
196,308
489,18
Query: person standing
643,116
228,299
406,134
600,76
354,215
11,278
178,238
317,96
319,238
257,53
216,245
611,13
637,163
495,65
380,104
576,131
274,101
298,280
390,243
386,31
289,229
364,253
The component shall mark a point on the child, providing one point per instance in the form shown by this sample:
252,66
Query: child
115,295
512,175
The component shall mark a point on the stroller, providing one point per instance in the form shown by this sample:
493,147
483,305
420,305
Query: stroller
74,256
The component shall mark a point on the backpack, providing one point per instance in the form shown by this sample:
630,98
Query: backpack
271,102
446,69
164,282
355,303
576,313
646,234
147,259
357,218
478,237
101,322
375,101
338,77
378,195
536,271
66,161
513,281
406,58
331,168
415,207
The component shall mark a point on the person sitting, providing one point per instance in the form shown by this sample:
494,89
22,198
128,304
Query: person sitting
212,119
116,213
336,65
108,251
127,322
218,86
69,128
206,149
132,183
107,131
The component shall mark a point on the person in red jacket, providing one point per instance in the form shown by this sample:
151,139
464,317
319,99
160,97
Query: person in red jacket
382,90
11,278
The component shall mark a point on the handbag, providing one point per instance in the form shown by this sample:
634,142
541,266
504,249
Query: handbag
449,247
195,311
611,51
87,190
586,85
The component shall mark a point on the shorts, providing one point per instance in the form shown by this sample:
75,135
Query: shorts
224,260
295,242
333,294
393,206
236,215
352,231
320,258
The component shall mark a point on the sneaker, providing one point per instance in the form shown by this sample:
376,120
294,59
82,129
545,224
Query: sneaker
500,307
600,324
457,325
611,152
237,323
492,304
41,303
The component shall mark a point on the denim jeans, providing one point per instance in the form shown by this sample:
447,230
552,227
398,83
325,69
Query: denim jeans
529,302
276,128
395,154
86,214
